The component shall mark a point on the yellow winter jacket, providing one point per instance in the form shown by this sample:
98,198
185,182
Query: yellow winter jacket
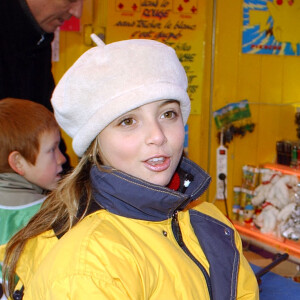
145,244
112,257
32,255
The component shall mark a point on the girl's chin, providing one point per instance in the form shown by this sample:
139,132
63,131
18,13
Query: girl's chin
160,181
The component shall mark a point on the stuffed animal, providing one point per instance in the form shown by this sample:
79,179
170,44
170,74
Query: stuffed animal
266,221
289,219
261,192
272,196
283,191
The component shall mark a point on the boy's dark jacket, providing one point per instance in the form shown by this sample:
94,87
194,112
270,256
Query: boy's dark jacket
25,55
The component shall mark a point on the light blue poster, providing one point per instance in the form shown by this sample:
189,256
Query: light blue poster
271,27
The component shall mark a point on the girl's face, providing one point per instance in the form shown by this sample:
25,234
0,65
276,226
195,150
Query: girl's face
146,142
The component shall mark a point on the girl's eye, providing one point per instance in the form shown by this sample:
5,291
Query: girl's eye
127,122
169,115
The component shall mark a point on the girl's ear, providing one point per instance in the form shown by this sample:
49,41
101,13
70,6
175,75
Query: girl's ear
16,162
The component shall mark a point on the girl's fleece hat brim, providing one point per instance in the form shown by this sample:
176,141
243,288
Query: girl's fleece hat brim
110,80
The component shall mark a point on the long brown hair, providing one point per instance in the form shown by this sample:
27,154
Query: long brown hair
59,209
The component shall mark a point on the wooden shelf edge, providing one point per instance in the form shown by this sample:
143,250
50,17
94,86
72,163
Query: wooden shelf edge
282,244
283,169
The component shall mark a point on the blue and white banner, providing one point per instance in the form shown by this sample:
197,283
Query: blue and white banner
271,27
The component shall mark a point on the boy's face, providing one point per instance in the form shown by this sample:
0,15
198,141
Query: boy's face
146,142
48,165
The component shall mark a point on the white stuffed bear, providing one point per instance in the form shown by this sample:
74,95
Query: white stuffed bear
273,195
286,212
268,179
267,219
283,191
289,219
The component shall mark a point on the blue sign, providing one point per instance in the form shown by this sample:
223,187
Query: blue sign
271,27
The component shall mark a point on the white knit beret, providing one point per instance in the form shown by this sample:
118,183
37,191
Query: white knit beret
110,80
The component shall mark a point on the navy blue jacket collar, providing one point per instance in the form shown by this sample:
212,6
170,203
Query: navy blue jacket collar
128,196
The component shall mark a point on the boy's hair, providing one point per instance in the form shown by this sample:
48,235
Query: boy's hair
21,124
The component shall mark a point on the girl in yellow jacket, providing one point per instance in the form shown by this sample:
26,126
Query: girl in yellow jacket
130,227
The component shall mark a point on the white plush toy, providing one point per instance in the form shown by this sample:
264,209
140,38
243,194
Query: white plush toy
286,212
274,195
283,191
289,219
268,179
267,219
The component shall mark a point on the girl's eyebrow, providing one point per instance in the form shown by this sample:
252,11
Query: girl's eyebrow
168,102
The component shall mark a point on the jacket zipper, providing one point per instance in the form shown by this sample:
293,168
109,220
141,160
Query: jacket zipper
178,236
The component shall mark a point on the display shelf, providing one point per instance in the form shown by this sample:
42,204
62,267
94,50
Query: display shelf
283,169
268,242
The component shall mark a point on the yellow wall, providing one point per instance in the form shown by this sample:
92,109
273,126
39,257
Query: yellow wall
269,82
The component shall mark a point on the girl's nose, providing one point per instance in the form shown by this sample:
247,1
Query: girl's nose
155,135
76,8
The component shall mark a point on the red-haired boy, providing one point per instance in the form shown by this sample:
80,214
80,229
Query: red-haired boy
30,161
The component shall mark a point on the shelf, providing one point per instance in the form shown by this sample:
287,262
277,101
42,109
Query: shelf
268,242
283,169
